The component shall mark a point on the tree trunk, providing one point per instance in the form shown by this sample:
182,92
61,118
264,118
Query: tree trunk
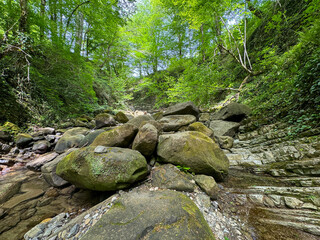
42,15
23,22
202,44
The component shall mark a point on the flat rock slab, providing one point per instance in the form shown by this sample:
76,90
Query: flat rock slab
37,163
186,108
224,128
7,190
154,215
234,112
175,122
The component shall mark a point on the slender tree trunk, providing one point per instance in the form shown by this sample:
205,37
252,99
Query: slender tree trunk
79,36
23,22
42,15
202,44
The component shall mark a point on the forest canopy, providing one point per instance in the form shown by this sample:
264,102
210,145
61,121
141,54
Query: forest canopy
64,58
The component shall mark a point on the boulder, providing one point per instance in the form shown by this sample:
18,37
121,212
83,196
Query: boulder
225,142
4,148
41,146
146,140
121,136
175,122
170,177
208,185
224,128
71,139
38,162
233,112
23,140
140,119
88,139
108,170
149,215
194,150
48,171
121,117
7,190
200,127
204,117
157,116
5,135
104,120
186,108
156,124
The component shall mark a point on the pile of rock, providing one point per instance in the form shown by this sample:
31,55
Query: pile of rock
163,150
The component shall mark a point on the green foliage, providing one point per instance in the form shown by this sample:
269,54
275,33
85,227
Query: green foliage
183,169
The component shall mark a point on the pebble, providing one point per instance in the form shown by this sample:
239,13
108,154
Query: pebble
74,230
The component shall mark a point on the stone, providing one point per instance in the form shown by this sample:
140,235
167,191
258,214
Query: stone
157,116
204,117
194,150
88,139
38,162
121,136
137,121
156,124
41,146
104,120
35,231
49,171
224,128
121,117
71,139
5,135
292,202
4,148
74,230
146,140
151,215
175,122
23,140
233,112
186,108
225,142
200,127
7,190
169,176
208,185
115,169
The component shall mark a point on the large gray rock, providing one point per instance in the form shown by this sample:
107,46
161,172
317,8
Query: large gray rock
148,215
174,122
200,127
146,140
71,139
194,150
170,177
186,108
224,128
48,171
137,121
104,120
233,112
121,136
121,117
108,170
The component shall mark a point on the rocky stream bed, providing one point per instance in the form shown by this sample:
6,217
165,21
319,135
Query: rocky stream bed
270,189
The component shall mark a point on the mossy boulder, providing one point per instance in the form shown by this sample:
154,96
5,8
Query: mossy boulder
175,122
5,135
146,140
208,185
140,119
186,108
194,150
121,136
23,140
233,112
170,177
121,117
108,169
154,215
158,115
200,127
71,139
105,120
